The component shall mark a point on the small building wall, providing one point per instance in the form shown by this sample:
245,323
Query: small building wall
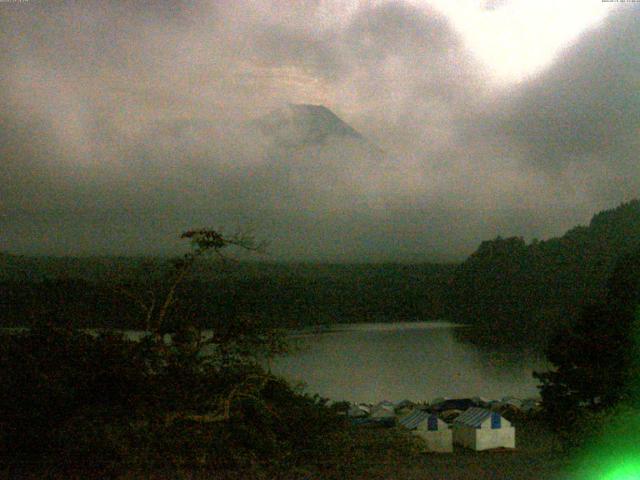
501,437
464,436
436,433
484,438
438,441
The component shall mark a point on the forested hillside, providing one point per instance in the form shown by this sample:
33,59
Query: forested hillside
102,291
511,291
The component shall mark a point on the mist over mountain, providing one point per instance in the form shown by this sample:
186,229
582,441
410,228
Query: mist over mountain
368,132
297,125
321,159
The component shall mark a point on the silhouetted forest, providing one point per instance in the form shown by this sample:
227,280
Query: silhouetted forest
517,292
75,404
596,360
89,293
508,290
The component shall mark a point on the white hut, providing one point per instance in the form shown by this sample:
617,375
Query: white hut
481,429
435,432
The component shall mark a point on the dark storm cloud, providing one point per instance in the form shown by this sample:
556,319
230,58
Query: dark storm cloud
576,124
587,103
123,123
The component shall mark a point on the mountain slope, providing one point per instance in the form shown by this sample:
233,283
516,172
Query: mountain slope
524,293
301,124
315,163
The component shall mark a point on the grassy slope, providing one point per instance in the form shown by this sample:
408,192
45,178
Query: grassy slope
385,454
389,454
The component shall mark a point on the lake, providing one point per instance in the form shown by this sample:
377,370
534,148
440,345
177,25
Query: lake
393,361
370,362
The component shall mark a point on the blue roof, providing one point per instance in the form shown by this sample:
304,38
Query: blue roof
473,417
416,417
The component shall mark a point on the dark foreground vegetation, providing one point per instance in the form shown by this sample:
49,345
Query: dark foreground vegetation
184,403
74,405
591,396
174,403
80,406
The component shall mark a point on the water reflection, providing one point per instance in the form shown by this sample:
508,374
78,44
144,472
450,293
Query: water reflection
419,361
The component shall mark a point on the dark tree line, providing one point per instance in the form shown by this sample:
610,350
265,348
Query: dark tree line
591,395
596,359
511,291
291,295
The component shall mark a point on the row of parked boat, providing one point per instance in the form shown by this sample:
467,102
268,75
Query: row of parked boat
446,408
475,423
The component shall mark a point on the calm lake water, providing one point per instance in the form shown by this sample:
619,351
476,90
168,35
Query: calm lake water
419,361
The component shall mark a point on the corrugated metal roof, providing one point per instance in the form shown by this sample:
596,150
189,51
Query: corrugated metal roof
473,417
418,417
414,419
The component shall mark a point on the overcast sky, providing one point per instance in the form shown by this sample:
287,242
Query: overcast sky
123,123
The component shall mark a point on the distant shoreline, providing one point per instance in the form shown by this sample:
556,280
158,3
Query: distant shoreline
305,331
374,326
